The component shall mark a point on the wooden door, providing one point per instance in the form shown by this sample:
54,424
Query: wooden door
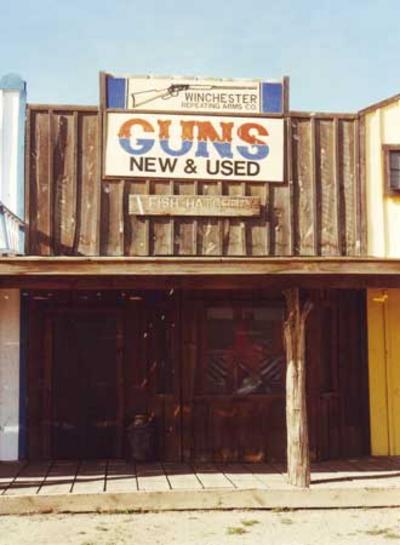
86,378
233,381
337,375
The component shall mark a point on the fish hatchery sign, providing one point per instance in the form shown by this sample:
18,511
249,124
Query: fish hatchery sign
179,146
170,94
193,205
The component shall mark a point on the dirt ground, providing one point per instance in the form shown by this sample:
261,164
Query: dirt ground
322,527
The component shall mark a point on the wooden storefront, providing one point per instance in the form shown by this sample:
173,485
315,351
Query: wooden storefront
209,366
318,211
182,318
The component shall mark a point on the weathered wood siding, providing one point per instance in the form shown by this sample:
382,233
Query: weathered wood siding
317,211
159,367
73,385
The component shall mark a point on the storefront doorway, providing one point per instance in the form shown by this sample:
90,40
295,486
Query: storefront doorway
87,412
207,367
236,393
96,360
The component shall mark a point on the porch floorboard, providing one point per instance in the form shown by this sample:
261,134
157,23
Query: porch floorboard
65,485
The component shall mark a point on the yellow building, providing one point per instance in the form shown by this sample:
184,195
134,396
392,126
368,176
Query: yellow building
381,138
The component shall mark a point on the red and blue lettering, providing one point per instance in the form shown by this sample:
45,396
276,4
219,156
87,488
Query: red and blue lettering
138,136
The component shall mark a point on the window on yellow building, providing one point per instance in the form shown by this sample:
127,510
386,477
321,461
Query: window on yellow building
392,169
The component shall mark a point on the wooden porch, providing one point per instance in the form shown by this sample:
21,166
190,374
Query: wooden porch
60,485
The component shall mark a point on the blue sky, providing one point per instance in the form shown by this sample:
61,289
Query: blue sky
340,55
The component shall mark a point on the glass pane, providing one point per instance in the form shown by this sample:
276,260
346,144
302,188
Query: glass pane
220,337
395,179
220,332
244,351
394,157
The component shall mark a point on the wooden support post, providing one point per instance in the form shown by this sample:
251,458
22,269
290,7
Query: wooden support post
298,457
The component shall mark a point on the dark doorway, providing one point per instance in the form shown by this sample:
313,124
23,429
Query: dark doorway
96,360
234,381
208,367
86,419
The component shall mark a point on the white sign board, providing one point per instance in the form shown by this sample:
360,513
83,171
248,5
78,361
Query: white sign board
182,94
193,147
197,95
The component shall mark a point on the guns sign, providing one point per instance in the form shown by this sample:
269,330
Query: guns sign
200,147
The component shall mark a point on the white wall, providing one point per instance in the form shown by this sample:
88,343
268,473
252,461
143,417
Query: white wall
9,373
12,132
383,212
9,112
12,142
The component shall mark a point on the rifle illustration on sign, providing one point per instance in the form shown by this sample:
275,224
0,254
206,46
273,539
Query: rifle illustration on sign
176,88
185,94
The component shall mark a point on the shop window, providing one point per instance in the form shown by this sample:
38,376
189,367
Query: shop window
243,350
392,169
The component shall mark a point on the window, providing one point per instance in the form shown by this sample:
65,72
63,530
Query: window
392,169
244,352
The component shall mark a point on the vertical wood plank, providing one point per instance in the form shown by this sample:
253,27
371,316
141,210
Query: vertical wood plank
281,208
27,181
304,188
89,185
286,93
316,182
64,131
190,319
40,189
314,375
349,189
281,223
172,407
235,241
361,185
161,230
112,224
47,390
137,228
328,183
185,242
120,343
257,230
210,229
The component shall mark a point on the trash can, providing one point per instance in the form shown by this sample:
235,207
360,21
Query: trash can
142,438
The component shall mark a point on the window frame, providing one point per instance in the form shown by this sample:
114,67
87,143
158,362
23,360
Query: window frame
388,190
236,305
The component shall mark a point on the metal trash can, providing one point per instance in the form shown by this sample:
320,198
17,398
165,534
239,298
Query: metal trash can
142,438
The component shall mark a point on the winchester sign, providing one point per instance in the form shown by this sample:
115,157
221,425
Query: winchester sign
199,147
174,93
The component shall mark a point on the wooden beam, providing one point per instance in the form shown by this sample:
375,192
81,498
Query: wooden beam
298,455
295,267
196,282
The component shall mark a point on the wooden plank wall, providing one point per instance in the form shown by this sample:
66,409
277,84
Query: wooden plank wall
162,351
71,211
150,379
337,374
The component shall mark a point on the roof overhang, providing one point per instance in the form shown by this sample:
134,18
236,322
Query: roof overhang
192,271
